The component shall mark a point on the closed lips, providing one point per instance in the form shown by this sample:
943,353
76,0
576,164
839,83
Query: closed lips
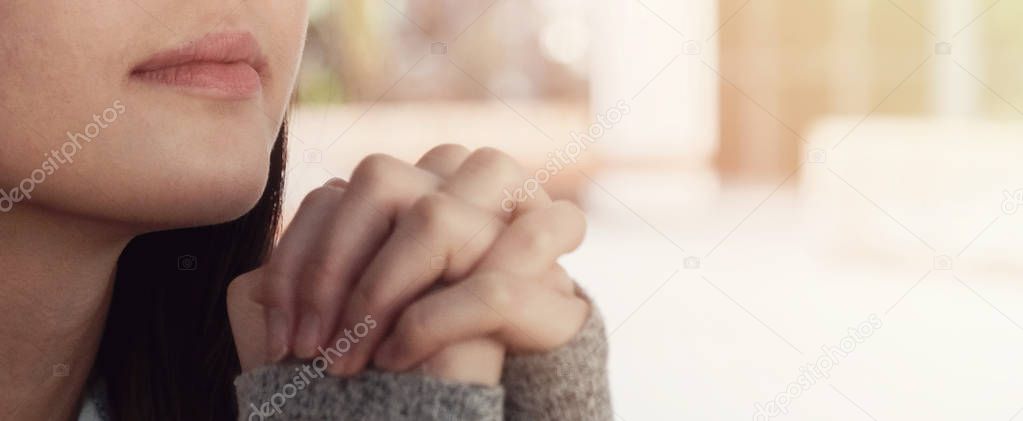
222,65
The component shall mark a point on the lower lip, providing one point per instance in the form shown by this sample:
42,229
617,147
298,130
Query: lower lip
230,81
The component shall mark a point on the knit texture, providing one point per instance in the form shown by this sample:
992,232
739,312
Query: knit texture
371,396
567,384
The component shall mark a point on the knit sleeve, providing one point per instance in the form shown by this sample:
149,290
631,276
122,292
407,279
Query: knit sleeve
567,384
282,392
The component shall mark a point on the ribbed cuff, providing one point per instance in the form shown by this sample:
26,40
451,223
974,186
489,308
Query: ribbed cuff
569,383
280,392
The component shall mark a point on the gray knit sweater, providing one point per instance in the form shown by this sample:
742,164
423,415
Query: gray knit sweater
567,384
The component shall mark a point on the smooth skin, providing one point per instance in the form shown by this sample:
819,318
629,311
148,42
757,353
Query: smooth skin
426,250
169,160
175,160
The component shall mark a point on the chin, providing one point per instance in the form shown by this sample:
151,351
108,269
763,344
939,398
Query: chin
211,202
156,191
217,176
219,194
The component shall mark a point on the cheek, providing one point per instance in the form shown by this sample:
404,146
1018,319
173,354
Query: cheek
146,169
101,150
165,160
139,158
283,28
52,82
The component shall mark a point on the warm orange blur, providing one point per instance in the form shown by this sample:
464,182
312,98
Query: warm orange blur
787,169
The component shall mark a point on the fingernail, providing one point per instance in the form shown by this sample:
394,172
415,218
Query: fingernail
308,336
336,183
277,337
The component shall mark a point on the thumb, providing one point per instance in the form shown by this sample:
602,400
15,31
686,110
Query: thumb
248,319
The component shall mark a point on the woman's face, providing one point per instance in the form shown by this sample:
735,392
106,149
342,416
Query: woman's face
153,112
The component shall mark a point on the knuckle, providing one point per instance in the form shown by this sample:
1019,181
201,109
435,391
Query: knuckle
448,151
572,217
535,239
317,275
414,326
500,164
375,297
433,213
273,292
387,181
317,271
571,210
319,195
496,292
375,171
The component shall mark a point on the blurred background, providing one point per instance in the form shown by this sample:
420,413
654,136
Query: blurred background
784,171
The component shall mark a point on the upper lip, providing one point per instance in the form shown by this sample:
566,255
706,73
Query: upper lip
223,47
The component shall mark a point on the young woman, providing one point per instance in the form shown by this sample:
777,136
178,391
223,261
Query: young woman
141,163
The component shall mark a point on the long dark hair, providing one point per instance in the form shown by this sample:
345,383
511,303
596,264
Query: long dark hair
167,352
